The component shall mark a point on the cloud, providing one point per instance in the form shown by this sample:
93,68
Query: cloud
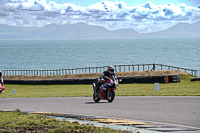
111,15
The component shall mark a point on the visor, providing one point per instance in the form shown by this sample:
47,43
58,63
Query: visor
111,70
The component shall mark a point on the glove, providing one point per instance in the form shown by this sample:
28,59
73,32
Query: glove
106,77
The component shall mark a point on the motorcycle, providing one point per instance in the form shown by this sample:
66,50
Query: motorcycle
105,94
1,89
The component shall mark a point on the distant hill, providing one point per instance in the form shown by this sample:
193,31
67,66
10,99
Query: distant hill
84,31
181,30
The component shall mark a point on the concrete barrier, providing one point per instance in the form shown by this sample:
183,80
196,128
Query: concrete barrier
125,80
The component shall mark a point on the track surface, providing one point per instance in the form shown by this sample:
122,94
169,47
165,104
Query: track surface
180,110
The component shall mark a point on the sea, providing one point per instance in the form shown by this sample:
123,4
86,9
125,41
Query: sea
69,54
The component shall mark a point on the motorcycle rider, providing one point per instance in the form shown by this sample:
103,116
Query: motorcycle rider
1,79
107,73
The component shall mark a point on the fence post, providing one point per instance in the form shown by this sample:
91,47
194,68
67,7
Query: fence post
143,67
195,73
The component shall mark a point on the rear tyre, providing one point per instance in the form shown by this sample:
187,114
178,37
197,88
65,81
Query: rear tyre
111,96
96,98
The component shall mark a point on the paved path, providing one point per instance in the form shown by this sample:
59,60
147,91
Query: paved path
181,110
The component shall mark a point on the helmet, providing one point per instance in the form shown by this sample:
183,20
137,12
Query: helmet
111,69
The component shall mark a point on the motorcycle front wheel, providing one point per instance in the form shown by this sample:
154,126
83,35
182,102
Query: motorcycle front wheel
96,98
111,96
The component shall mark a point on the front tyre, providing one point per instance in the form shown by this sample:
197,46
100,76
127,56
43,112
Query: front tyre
111,96
96,98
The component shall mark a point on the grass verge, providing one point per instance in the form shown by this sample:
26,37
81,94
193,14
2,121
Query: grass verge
12,122
184,88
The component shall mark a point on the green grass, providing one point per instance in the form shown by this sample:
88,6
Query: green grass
184,88
22,122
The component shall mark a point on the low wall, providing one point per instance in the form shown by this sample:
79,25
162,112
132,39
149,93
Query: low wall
152,79
195,79
125,80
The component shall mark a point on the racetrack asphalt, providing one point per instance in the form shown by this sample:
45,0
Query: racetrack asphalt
179,110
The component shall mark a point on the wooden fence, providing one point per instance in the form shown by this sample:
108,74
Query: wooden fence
118,68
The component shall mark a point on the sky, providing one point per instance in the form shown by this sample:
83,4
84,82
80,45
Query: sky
85,3
140,15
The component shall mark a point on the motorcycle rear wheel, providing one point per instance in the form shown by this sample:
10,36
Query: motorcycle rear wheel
96,98
111,96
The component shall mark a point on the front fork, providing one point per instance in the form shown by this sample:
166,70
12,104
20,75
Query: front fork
94,87
108,93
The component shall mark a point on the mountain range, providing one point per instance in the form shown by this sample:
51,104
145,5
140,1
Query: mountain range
84,31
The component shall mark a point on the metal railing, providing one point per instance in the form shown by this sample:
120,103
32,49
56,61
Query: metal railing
118,68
